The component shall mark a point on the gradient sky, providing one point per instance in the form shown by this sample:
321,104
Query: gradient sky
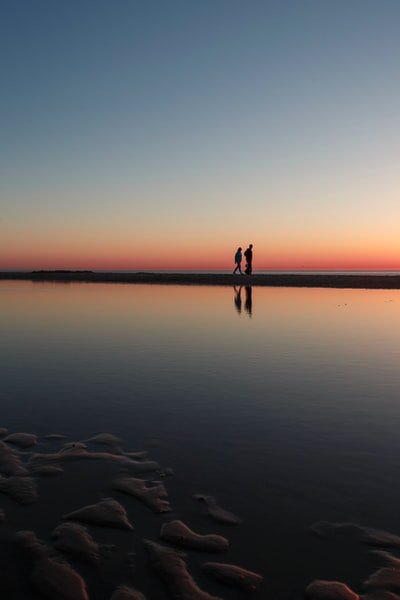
163,134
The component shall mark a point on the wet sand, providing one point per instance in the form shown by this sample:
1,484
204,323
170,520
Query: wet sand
96,552
106,548
331,280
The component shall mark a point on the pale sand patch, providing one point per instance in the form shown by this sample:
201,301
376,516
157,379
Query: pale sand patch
34,547
21,489
55,580
127,593
10,461
107,512
367,535
78,451
75,540
329,590
216,512
234,575
390,560
140,455
47,470
386,578
181,535
55,437
51,578
172,569
105,438
23,440
382,584
155,497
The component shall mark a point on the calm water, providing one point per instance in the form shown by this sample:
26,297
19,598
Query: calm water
282,403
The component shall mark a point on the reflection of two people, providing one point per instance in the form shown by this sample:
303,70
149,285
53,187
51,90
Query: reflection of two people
248,303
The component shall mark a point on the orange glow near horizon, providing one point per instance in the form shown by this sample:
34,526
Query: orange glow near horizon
164,251
221,261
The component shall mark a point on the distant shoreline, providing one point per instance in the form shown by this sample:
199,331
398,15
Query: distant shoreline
331,280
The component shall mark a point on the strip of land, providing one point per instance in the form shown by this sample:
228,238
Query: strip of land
331,280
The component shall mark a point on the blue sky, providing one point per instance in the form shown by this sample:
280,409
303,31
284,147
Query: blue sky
131,127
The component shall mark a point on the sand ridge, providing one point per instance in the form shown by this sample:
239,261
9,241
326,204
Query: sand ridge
317,280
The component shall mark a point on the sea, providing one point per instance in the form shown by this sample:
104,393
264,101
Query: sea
281,404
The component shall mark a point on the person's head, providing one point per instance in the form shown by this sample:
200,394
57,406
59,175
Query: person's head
239,249
250,246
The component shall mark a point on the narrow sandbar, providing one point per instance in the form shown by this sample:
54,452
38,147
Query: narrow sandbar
317,280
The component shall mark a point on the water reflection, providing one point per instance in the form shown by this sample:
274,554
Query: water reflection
248,303
238,298
303,399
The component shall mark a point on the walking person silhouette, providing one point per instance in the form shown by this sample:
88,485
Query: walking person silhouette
238,261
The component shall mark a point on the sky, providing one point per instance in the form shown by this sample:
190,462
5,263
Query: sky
164,134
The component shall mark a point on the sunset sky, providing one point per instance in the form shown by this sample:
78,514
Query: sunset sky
163,134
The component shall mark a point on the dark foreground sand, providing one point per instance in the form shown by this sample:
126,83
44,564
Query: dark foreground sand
331,280
61,539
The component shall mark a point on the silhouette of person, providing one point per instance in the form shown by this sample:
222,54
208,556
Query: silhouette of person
238,299
249,260
248,303
238,261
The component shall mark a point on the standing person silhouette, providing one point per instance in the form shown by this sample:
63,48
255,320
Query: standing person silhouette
238,261
249,259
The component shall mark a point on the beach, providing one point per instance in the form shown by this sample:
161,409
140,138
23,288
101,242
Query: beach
309,280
